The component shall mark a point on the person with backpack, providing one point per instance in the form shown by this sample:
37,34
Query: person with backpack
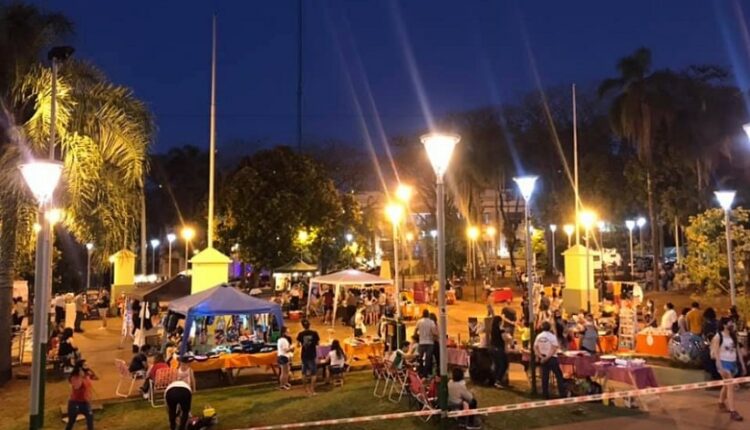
725,351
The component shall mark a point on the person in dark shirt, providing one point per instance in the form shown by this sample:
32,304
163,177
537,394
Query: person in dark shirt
309,340
328,297
509,317
139,363
497,346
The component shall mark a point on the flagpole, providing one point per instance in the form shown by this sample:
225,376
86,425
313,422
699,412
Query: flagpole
212,140
575,163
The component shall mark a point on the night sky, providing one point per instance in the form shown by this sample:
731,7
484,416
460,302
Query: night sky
465,53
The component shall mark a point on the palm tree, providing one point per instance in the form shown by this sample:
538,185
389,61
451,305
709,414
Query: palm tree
638,109
103,138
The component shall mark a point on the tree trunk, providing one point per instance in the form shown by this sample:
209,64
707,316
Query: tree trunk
654,230
7,274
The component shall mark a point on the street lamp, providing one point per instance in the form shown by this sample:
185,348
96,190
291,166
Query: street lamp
630,224
439,148
42,178
472,233
640,222
154,245
588,219
349,237
553,229
725,199
569,229
395,213
187,235
403,193
89,249
433,235
526,186
170,238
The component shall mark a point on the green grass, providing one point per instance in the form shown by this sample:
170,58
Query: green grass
241,407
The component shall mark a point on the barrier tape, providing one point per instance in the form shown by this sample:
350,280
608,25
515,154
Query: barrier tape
512,407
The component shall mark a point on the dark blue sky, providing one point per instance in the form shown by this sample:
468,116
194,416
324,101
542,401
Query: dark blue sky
466,54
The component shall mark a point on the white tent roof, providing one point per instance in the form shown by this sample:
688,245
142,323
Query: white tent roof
351,277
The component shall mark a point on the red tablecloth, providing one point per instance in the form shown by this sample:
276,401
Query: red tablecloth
640,377
458,357
502,294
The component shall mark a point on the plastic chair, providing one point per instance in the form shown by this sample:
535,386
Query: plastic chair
159,385
125,375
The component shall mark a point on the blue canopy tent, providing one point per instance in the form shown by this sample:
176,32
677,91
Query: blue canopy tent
220,300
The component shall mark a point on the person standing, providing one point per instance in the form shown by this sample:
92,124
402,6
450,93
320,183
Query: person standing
669,318
351,307
427,331
328,297
308,341
695,319
509,316
546,346
80,303
102,305
724,349
178,393
59,302
500,358
80,396
285,351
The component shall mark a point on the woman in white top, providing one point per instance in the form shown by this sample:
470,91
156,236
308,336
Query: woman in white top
185,372
285,351
336,358
178,393
724,351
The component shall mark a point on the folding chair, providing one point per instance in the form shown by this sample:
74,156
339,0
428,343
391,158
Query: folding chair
159,385
398,379
125,375
378,370
419,393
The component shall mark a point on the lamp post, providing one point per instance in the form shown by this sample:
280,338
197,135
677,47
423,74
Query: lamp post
42,178
526,186
472,233
170,238
640,222
187,235
630,224
395,213
569,229
433,235
725,199
587,220
154,246
439,148
553,229
89,249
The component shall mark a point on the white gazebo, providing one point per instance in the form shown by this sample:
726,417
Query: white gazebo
346,278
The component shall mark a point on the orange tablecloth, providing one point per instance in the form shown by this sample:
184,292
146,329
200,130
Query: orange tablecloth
235,361
608,344
361,351
652,344
411,311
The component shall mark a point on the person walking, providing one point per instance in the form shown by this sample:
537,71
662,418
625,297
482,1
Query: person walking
546,346
499,356
80,396
80,302
724,349
308,341
427,332
285,351
102,305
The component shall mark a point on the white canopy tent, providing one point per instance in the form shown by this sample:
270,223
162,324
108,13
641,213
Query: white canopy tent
345,278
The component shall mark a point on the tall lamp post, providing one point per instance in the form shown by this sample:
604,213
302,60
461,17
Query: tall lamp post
89,249
588,219
640,222
42,178
553,229
569,229
630,224
472,233
725,199
170,238
154,246
395,213
433,235
526,186
439,148
187,235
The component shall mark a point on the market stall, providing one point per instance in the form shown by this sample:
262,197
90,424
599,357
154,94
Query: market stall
346,279
220,301
292,271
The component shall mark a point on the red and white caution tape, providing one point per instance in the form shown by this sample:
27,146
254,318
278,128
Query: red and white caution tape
512,407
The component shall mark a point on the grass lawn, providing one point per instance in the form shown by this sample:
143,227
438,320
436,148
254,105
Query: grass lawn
241,407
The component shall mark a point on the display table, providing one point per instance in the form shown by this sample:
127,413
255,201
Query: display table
355,350
579,366
500,295
231,364
411,311
638,377
652,344
321,352
458,357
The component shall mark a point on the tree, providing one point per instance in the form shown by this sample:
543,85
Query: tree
706,262
103,136
272,197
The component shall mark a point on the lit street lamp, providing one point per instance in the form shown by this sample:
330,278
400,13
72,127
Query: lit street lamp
395,213
630,224
187,235
89,249
433,235
349,237
42,178
725,199
526,186
154,246
553,229
170,238
640,222
472,233
588,219
439,148
569,229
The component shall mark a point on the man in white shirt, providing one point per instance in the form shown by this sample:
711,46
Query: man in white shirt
669,319
426,330
545,347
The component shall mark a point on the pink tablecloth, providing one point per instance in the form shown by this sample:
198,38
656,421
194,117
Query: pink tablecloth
322,351
458,357
582,365
642,377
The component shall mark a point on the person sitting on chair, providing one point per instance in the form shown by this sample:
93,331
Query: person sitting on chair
459,397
